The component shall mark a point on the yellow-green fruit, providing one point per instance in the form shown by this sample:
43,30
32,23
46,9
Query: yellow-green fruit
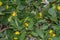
43,0
53,35
50,39
58,7
40,15
26,24
1,3
14,13
17,33
7,6
15,38
51,31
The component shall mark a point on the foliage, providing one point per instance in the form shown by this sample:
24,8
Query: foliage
30,19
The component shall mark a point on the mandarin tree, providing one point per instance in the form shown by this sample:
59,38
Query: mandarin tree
29,19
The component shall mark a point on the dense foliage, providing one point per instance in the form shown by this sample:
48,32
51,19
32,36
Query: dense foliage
29,20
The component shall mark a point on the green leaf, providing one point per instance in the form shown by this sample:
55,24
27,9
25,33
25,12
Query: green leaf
34,33
51,0
2,8
56,38
56,27
23,34
10,34
21,7
40,33
30,27
45,26
52,11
